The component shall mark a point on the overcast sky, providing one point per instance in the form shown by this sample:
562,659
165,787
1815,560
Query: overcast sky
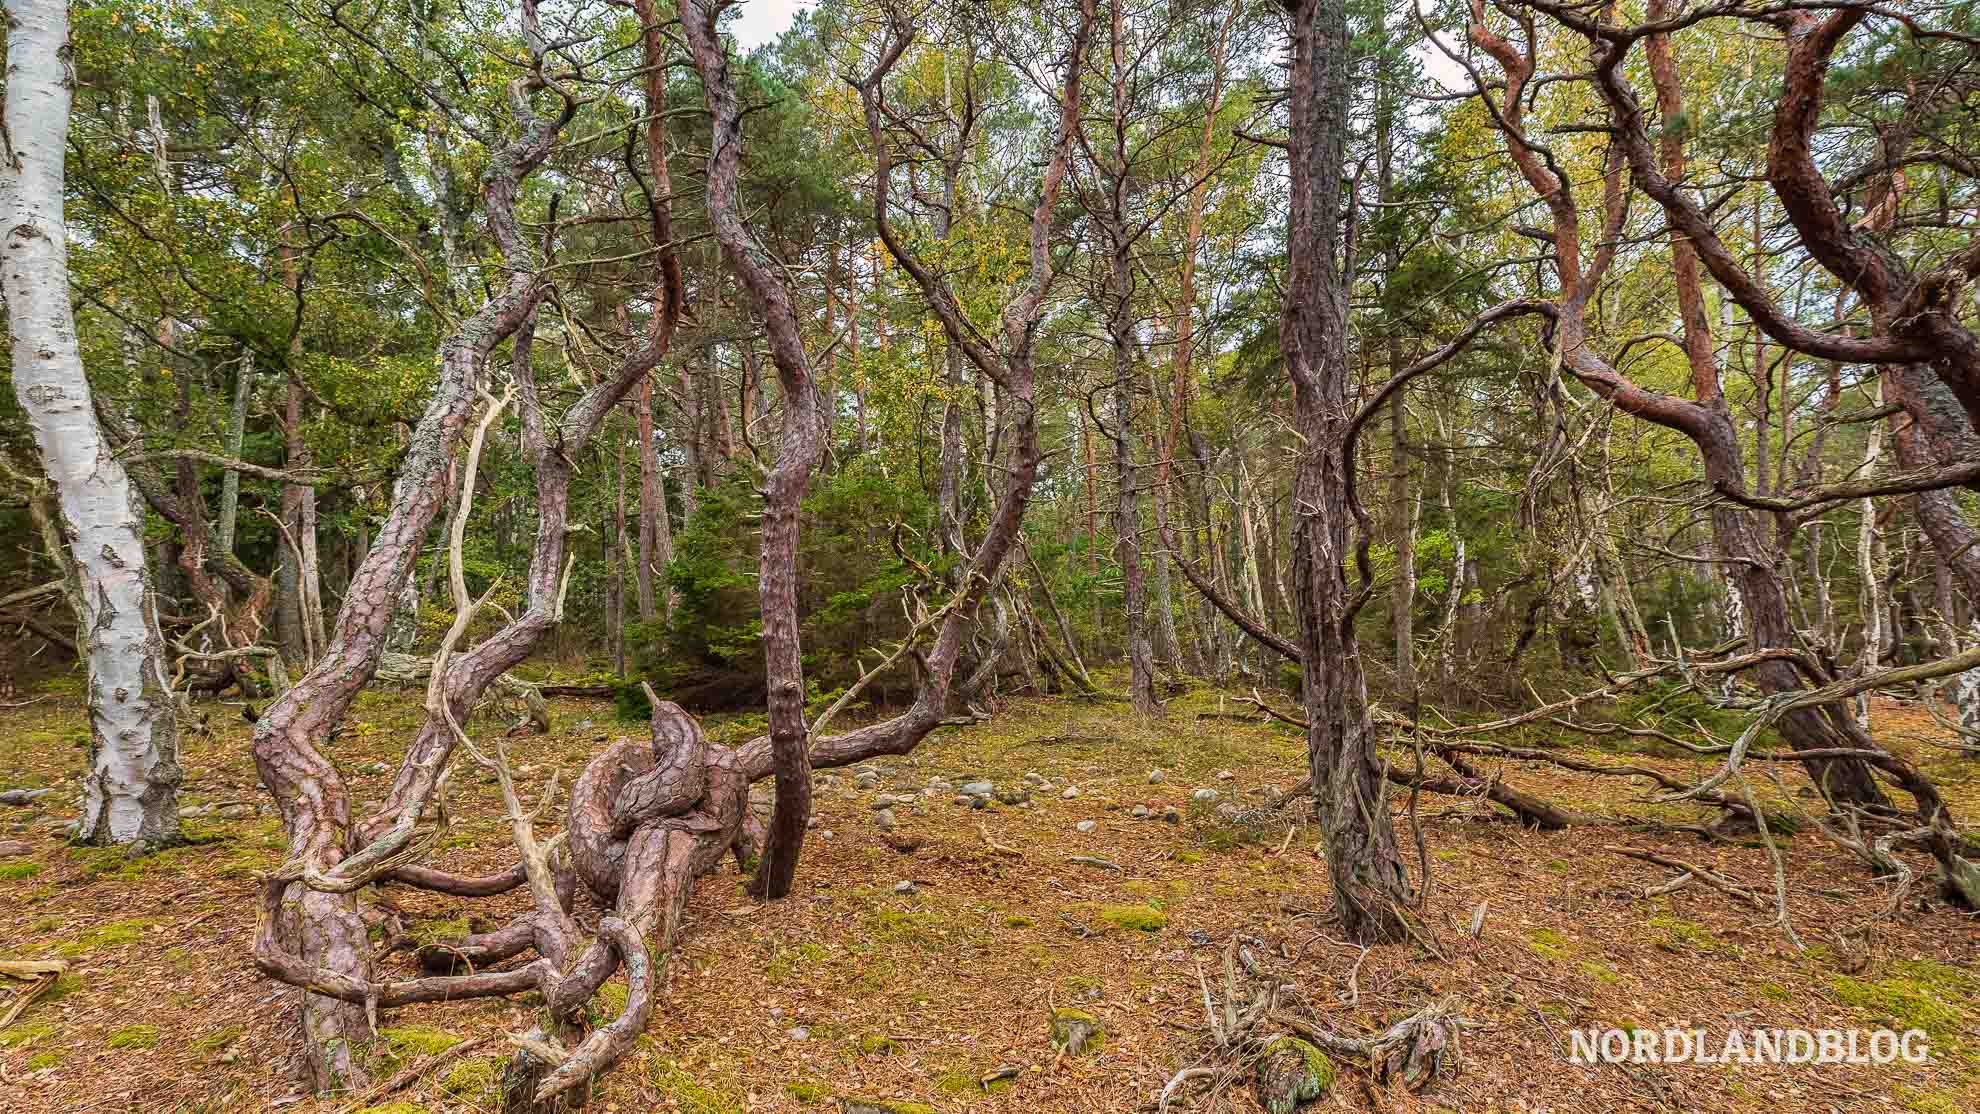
759,21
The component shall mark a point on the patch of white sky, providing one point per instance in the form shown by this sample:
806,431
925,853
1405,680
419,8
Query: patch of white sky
757,22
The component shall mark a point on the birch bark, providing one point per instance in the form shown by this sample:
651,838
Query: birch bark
130,792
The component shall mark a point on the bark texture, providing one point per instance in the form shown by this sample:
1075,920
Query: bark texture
130,791
801,448
1371,887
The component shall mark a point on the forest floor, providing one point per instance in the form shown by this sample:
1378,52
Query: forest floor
853,987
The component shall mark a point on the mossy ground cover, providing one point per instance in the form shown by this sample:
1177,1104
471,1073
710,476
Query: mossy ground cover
916,997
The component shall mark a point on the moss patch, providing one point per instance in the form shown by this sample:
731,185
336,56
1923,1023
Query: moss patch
110,935
405,1041
15,872
24,1033
1548,943
694,1097
470,1078
1918,994
134,1036
218,1039
1140,918
807,1091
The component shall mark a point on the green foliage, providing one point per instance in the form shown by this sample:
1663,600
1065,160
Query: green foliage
709,653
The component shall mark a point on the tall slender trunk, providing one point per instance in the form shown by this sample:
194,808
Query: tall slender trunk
1371,887
230,480
656,540
615,618
1092,487
803,445
130,794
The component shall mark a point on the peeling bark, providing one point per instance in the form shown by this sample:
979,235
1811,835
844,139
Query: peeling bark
130,792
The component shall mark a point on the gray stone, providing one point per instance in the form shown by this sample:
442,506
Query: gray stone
1204,796
1071,793
1139,812
1225,775
978,789
1085,826
800,1034
904,887
1156,777
885,818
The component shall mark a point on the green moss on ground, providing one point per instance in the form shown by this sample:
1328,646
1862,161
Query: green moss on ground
405,1041
1140,918
807,1091
1291,1073
679,1089
1548,943
134,1036
471,1078
218,1039
112,934
1917,994
24,1033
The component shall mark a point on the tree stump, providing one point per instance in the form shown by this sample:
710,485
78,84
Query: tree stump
1076,1032
1291,1073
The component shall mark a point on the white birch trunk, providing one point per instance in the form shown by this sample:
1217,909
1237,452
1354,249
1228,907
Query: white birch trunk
230,480
1870,566
130,793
